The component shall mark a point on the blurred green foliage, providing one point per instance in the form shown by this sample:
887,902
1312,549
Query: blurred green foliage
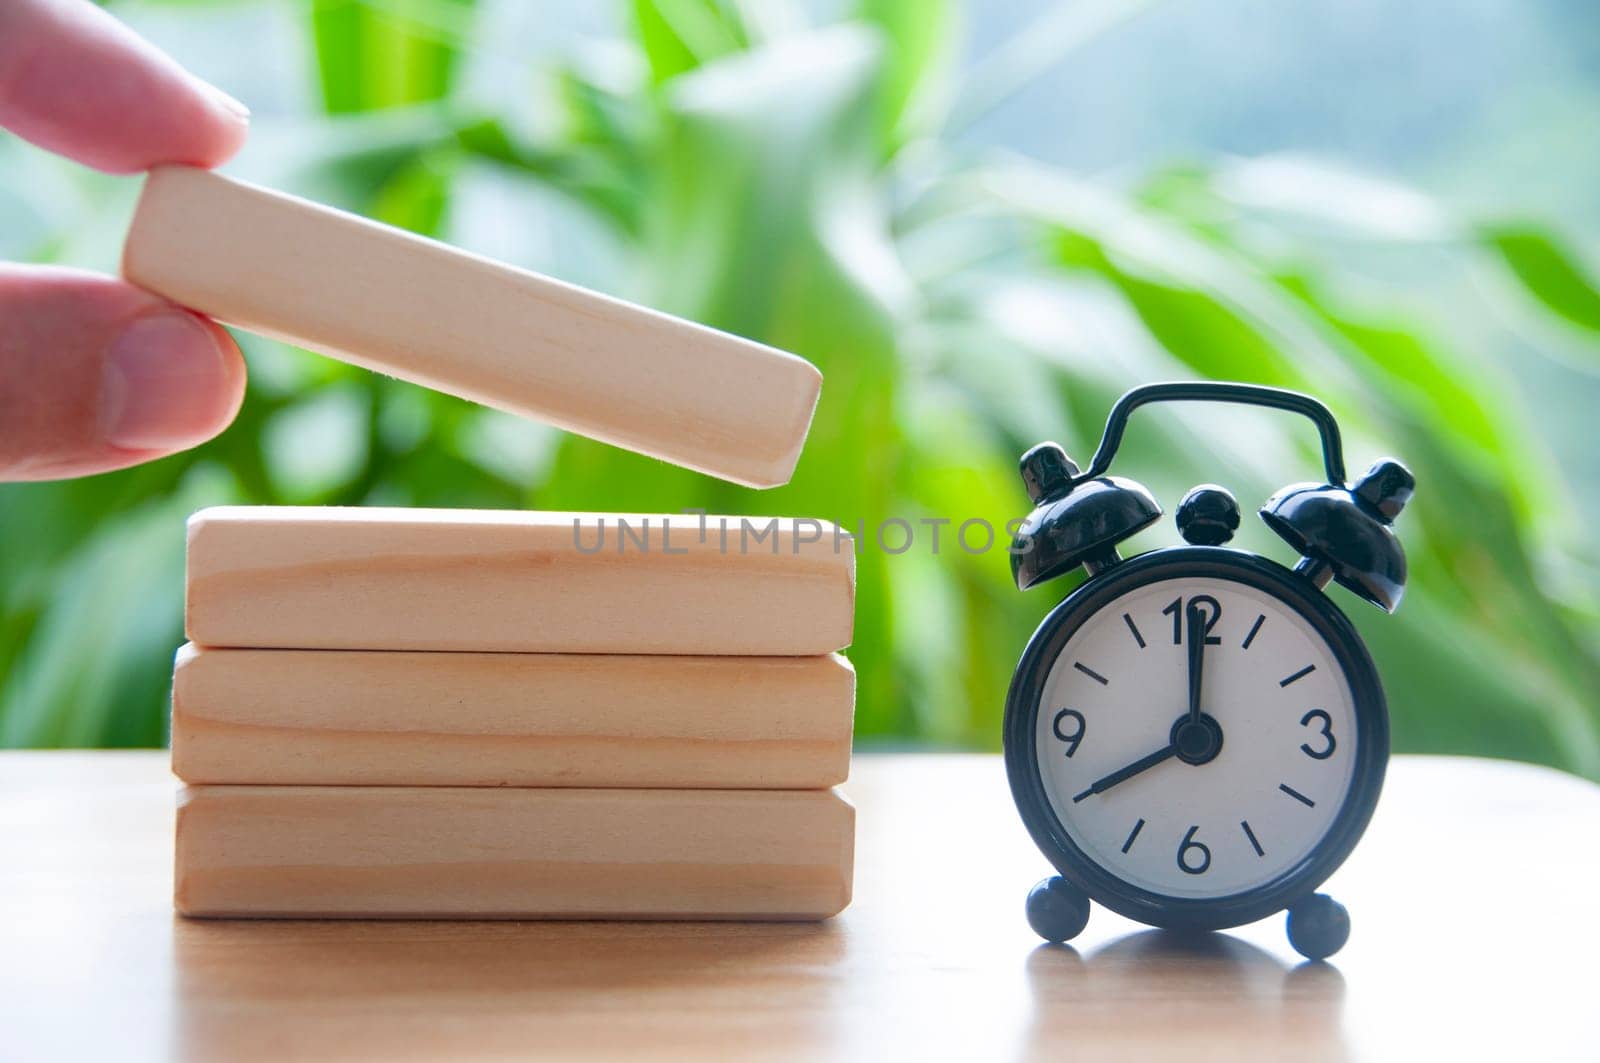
800,184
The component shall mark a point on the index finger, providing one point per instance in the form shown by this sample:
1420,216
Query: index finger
76,81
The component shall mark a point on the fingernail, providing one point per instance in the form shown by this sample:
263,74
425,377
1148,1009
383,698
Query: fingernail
231,105
166,385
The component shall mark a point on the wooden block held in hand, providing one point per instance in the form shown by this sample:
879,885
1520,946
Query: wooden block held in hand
419,579
438,316
398,852
340,718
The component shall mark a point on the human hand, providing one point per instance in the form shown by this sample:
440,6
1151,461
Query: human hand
96,374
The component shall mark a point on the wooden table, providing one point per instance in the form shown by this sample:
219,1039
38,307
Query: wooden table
1474,899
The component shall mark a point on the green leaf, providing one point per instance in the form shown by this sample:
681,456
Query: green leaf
417,196
1464,406
98,653
681,35
1452,690
371,58
914,82
783,238
605,180
1207,304
1343,202
1211,337
1037,49
962,620
1549,272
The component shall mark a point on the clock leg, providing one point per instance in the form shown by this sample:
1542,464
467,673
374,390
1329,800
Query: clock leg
1057,910
1318,926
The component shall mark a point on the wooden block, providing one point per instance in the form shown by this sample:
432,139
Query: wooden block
417,579
437,316
445,852
336,717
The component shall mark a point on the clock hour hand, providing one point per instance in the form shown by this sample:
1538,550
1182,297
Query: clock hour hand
1124,774
1197,651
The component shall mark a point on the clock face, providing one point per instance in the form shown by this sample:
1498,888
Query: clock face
1197,807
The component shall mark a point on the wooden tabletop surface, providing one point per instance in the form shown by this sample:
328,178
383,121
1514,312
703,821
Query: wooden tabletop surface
1475,899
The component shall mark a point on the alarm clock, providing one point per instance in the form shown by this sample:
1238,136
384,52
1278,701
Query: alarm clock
1196,736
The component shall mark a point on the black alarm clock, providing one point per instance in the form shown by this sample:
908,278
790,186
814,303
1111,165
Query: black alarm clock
1196,736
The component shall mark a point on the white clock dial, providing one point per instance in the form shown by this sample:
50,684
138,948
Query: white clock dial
1279,697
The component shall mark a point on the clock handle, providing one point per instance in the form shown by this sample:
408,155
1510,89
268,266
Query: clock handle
1342,530
1197,391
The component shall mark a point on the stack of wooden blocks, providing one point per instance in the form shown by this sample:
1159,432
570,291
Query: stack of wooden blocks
472,714
427,713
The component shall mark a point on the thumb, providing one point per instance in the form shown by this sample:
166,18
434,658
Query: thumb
97,375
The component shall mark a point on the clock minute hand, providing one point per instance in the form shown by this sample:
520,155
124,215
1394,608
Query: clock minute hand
1197,651
1124,774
